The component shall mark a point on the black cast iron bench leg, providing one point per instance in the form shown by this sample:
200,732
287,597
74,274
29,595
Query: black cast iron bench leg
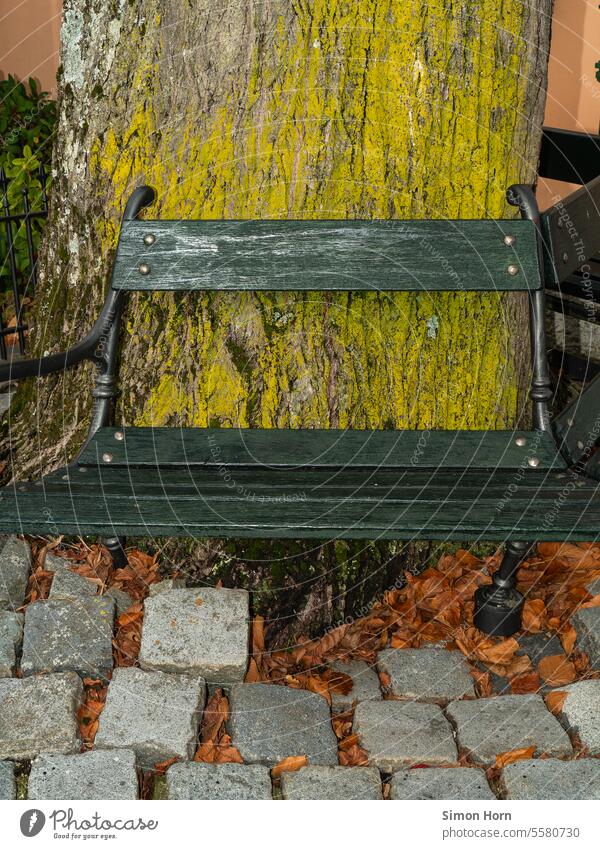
116,547
499,605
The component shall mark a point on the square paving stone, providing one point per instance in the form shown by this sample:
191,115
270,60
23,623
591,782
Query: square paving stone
15,566
54,563
203,631
488,727
397,734
269,723
440,783
587,624
218,781
581,712
552,779
365,687
123,601
8,785
154,713
332,782
11,634
69,633
67,584
38,714
91,775
427,674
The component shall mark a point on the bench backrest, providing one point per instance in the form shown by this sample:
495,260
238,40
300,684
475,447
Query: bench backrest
391,255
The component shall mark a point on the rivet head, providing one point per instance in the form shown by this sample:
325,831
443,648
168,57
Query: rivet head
509,240
570,422
82,469
533,462
580,445
107,457
513,270
144,268
119,435
149,239
521,441
565,257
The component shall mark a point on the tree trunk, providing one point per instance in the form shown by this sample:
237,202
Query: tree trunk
301,109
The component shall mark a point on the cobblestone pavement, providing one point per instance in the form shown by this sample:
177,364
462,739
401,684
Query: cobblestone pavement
416,715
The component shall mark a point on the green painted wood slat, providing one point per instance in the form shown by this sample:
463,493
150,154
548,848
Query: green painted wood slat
518,517
381,255
184,447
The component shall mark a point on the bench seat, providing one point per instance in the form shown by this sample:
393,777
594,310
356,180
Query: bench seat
441,485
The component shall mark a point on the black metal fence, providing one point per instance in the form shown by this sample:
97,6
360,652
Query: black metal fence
18,278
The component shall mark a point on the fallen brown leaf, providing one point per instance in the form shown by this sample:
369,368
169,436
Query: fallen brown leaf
291,764
557,669
506,758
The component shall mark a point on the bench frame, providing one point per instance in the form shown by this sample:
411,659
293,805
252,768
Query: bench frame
497,606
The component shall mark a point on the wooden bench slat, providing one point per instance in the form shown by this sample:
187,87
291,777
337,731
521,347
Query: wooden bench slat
378,255
455,516
185,447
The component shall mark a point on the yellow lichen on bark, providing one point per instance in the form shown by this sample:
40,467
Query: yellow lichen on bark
340,108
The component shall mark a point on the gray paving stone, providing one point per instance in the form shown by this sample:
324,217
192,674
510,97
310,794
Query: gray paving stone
218,781
154,713
269,723
38,714
488,727
427,674
15,566
593,587
581,712
54,563
332,782
11,634
440,783
69,633
552,779
397,734
587,624
67,584
166,585
202,631
99,774
8,785
365,685
122,600
538,646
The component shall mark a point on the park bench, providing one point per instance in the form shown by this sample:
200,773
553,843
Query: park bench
516,487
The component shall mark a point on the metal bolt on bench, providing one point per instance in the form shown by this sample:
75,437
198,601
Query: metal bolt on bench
354,484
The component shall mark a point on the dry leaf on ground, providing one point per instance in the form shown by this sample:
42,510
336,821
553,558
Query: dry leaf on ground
291,764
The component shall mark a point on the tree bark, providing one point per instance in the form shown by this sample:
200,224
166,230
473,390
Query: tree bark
299,109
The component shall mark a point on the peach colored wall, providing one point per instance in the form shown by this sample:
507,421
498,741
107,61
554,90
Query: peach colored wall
29,40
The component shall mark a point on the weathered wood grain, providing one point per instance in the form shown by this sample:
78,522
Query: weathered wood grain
327,256
516,507
331,449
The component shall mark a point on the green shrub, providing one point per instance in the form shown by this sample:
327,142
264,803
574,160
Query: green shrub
27,122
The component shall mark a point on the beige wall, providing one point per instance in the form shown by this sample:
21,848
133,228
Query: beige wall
29,40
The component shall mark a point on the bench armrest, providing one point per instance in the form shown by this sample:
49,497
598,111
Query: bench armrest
87,349
90,345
